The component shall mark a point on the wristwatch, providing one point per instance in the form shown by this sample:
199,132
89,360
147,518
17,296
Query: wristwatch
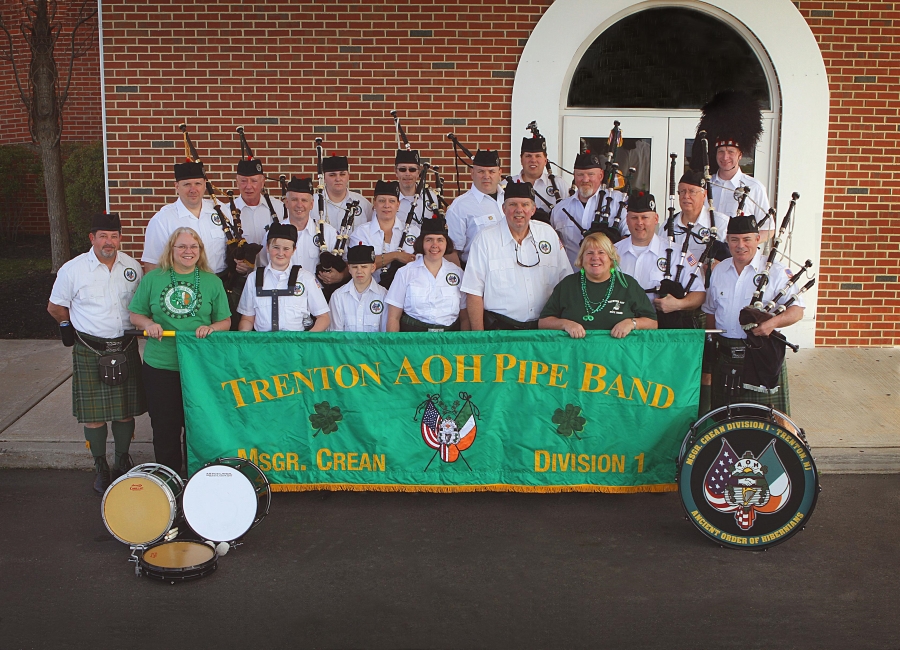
634,322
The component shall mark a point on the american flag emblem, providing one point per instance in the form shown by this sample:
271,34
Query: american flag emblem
747,485
691,259
448,436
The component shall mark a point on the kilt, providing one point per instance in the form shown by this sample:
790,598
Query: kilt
779,400
94,401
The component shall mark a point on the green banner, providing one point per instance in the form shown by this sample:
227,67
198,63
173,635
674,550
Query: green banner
462,411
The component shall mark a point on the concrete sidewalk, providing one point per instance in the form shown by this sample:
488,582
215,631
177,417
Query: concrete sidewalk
847,400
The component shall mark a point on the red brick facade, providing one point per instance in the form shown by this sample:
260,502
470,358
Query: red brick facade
336,70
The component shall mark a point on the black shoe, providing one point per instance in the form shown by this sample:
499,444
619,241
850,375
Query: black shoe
124,466
101,481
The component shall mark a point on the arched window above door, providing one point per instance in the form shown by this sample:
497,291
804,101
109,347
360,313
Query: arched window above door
666,57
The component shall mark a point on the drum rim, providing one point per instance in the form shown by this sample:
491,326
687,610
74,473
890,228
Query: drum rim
174,574
167,491
268,485
187,517
814,486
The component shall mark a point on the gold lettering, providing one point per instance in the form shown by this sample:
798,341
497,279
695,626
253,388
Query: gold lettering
238,398
324,370
406,370
670,397
253,457
367,370
644,393
556,374
426,369
522,365
503,367
281,385
319,454
563,462
616,385
601,465
278,461
541,460
364,462
293,461
583,464
299,376
618,463
461,368
593,373
339,460
377,463
260,388
264,464
339,376
351,461
538,368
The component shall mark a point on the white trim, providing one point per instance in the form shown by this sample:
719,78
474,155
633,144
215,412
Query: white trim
776,31
103,102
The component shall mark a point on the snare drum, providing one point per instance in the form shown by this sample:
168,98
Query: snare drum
178,561
226,498
140,507
746,476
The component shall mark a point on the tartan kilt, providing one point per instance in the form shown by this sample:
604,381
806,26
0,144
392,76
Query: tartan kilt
780,401
94,401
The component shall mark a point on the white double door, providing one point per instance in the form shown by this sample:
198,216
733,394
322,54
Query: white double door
650,136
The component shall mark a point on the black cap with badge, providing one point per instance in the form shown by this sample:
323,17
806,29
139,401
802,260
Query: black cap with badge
405,157
249,167
188,171
588,161
743,225
486,158
388,188
534,145
518,191
641,201
300,185
282,231
361,254
335,164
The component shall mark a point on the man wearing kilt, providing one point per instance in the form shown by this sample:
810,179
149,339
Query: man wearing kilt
731,288
90,302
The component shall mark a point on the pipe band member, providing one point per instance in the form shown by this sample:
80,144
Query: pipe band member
480,207
533,156
283,296
731,288
90,301
425,295
408,167
338,193
359,305
599,296
513,267
385,232
182,293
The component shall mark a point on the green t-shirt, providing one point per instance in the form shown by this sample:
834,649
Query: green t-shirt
156,298
567,302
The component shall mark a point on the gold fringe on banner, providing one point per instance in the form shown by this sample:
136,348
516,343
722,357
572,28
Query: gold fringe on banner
446,489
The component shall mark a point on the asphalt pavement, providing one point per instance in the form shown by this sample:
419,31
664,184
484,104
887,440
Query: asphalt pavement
479,570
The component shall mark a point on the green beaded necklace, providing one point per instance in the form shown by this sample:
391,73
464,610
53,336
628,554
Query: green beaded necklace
588,303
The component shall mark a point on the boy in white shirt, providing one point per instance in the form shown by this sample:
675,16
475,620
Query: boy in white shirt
359,306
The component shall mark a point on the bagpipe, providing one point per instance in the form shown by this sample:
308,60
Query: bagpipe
765,354
457,158
236,247
433,201
331,259
543,212
603,221
247,154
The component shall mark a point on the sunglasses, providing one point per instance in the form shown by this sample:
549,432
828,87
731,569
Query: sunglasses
404,170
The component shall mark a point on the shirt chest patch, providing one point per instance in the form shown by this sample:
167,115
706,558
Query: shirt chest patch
452,279
545,247
376,306
130,274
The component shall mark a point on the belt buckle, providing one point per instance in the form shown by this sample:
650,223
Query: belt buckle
737,353
435,329
113,347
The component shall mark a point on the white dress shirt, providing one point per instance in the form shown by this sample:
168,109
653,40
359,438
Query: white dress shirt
352,311
372,235
292,310
256,219
334,210
97,298
542,189
647,266
436,300
174,216
496,273
306,254
757,202
583,213
728,293
421,212
471,213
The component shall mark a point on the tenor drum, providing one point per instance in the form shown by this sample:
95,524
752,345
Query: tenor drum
140,507
178,561
226,498
746,476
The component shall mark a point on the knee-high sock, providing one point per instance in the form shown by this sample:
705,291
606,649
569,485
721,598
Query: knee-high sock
122,432
96,438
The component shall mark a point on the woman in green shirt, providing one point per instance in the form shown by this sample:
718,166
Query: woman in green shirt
599,296
180,294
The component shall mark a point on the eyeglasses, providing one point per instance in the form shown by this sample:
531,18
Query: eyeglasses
185,247
404,170
690,192
536,254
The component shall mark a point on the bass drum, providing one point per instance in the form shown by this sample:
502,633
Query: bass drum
178,561
140,507
746,476
226,498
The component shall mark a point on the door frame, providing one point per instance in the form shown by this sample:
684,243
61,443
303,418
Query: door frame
784,43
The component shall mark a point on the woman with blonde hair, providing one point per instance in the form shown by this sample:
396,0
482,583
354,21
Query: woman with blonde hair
182,293
599,296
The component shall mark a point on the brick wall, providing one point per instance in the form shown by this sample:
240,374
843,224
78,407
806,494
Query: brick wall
289,76
82,113
858,290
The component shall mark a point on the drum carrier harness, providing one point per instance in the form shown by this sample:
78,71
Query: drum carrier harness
276,293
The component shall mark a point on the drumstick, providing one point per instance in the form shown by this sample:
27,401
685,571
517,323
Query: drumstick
144,333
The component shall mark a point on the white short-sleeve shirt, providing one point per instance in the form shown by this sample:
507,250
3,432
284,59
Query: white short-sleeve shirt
544,199
471,213
728,292
583,213
292,310
97,298
372,235
648,266
757,202
516,281
352,311
174,216
431,299
307,252
256,219
334,210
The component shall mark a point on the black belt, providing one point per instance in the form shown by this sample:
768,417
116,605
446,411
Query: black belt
732,349
495,321
107,346
410,324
